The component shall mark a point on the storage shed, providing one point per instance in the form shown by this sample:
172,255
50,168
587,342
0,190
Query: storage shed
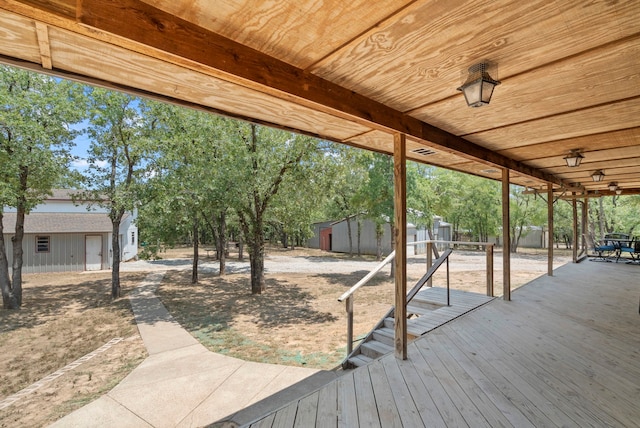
61,236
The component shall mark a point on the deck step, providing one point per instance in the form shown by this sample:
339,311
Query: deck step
428,303
360,360
417,310
374,349
390,323
384,335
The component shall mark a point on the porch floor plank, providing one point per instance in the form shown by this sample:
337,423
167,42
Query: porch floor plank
565,351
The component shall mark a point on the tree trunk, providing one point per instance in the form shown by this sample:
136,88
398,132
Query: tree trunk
16,241
256,260
115,246
240,248
8,298
196,249
350,237
379,233
222,241
359,236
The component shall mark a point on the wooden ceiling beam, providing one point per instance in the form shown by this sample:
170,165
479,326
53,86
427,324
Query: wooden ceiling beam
151,27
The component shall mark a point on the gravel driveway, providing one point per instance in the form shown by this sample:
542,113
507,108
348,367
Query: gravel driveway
459,261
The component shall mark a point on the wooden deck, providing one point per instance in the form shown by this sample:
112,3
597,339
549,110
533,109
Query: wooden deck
429,318
564,352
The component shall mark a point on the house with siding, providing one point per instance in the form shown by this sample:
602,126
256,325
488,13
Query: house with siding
63,235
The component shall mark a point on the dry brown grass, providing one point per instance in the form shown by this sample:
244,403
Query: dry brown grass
298,320
64,317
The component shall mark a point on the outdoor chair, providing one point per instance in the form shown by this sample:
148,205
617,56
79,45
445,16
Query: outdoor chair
604,251
633,249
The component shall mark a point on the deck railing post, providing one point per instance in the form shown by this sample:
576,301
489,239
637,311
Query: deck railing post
448,299
429,261
349,307
489,251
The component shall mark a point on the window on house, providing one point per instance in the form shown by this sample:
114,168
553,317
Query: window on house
133,238
42,244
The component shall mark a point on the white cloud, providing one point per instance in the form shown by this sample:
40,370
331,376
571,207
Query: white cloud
81,163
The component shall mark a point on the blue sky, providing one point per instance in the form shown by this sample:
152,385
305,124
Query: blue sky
82,143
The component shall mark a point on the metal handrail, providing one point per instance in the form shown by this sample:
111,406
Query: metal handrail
347,297
367,278
391,256
421,282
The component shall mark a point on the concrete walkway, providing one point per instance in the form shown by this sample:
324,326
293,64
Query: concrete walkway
182,384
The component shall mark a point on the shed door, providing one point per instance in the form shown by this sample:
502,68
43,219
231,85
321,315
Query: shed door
93,252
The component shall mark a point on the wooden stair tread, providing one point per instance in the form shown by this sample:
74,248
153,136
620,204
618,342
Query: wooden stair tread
360,360
378,347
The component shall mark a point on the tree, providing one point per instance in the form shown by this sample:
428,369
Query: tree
189,188
36,114
422,199
119,129
617,213
263,158
526,210
347,177
376,193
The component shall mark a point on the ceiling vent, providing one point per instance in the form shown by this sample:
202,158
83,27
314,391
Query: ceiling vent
423,151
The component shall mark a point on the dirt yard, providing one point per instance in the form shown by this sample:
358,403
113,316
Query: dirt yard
297,321
65,316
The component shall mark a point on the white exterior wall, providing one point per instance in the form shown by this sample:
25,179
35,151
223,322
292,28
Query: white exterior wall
129,234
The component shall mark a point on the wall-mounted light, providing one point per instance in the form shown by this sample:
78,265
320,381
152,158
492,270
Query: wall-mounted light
574,158
479,86
618,191
597,175
613,186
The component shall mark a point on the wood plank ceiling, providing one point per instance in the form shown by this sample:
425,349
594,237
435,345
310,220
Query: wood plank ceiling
357,72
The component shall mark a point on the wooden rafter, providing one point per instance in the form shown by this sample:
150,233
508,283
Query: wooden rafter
43,42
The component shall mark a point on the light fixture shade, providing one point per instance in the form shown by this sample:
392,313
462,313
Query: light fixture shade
479,86
613,186
618,191
573,159
597,175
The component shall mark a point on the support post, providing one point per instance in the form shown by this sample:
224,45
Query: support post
506,237
429,262
489,251
583,231
550,229
574,204
400,235
349,307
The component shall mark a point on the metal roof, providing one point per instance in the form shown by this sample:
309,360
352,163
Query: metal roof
49,223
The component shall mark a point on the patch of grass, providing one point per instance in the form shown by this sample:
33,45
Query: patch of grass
230,342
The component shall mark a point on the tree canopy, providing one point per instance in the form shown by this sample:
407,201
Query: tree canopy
199,177
36,134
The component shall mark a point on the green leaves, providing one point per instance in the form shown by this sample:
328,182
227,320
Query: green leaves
36,134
